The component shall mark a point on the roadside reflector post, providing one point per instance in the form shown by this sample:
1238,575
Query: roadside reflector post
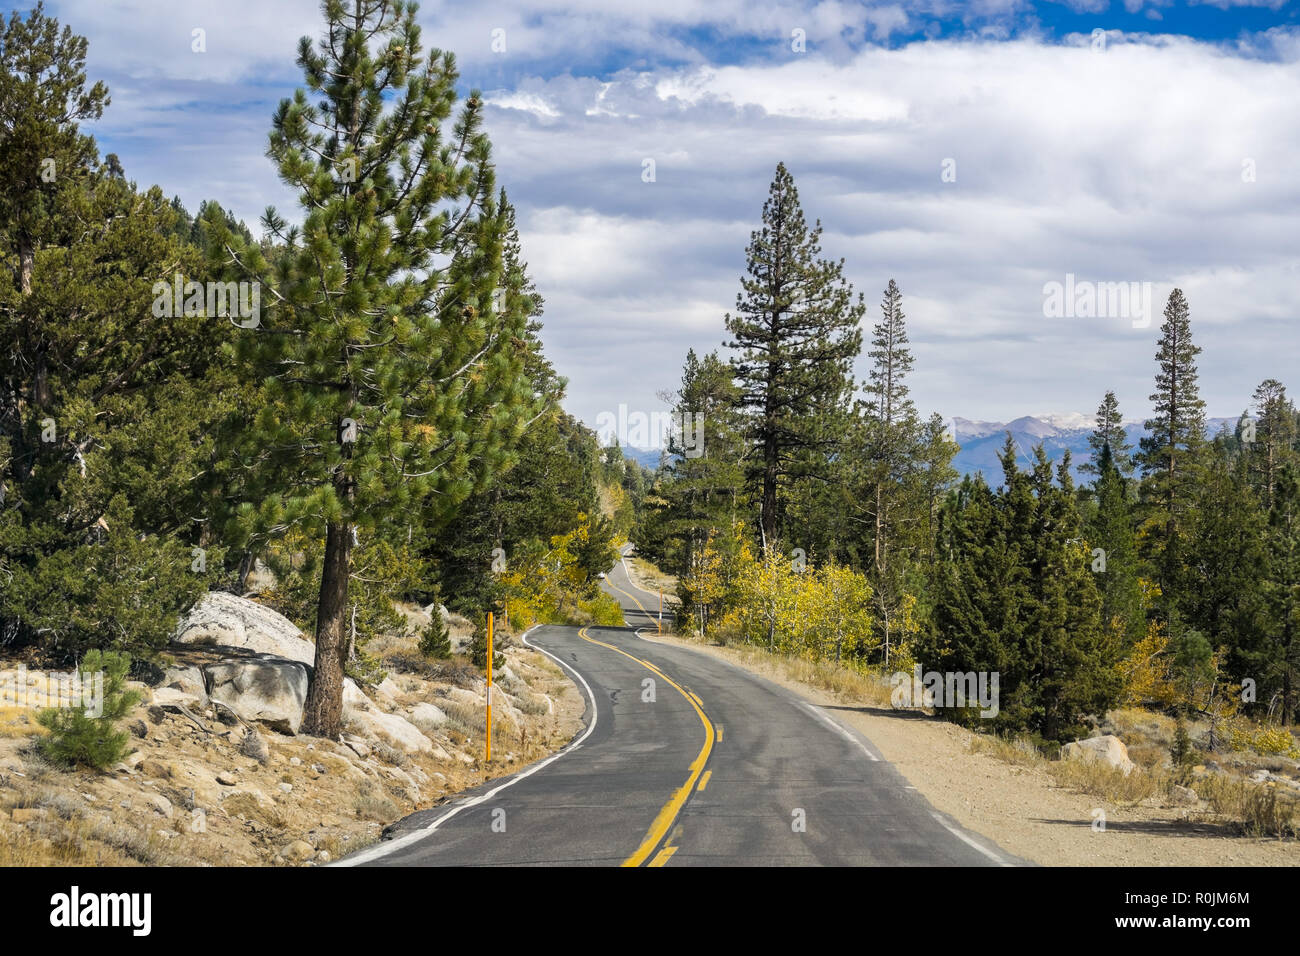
489,687
661,609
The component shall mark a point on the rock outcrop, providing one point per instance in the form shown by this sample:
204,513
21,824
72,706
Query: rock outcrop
225,620
1108,749
268,690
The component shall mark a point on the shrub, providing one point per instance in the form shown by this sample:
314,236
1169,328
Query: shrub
77,739
1269,741
435,640
604,610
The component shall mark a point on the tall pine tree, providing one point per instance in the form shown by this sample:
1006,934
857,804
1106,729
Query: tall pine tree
795,335
394,377
1175,435
885,459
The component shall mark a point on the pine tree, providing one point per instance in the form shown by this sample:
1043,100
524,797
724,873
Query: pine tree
106,407
1279,661
394,375
1109,433
1275,437
1111,529
1075,673
933,476
1225,539
979,588
44,157
795,332
1013,593
1175,434
699,490
890,429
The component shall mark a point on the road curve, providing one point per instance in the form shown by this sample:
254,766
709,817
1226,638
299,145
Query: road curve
686,760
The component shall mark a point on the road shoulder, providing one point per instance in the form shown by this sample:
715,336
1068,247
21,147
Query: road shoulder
1021,809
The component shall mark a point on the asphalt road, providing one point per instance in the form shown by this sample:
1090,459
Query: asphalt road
685,760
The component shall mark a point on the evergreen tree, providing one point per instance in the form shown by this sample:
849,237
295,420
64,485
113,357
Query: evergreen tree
1111,528
933,476
698,494
1278,661
888,453
549,490
979,586
1275,437
1109,433
1225,538
795,332
106,406
1013,594
1175,434
394,375
1075,672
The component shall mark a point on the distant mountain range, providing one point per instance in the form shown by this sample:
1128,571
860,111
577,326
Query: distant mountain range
648,458
982,441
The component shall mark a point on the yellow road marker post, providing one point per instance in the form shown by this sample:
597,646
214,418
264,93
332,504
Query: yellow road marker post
489,687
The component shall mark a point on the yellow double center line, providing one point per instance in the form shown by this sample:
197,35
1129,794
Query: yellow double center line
629,594
668,814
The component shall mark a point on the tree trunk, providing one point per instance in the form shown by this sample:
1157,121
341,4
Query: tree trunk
1288,686
246,564
26,265
769,499
323,715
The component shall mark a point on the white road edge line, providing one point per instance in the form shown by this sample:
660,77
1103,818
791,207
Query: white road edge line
836,726
632,584
391,846
844,732
965,839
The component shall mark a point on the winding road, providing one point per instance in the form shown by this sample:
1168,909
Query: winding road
684,759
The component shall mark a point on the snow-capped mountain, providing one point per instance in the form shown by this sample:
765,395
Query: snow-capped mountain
1058,432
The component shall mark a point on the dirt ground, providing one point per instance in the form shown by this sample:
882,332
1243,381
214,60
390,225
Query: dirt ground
189,795
1023,809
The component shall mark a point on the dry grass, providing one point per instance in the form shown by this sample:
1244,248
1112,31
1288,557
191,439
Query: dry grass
1255,809
1093,777
248,807
649,577
371,803
19,722
1020,751
79,842
389,753
463,719
532,705
849,685
1099,779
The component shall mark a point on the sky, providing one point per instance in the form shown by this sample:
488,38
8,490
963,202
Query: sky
992,157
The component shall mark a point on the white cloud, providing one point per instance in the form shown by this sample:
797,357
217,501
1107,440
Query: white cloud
1124,164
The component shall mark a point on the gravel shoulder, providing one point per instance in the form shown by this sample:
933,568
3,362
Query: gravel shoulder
1022,809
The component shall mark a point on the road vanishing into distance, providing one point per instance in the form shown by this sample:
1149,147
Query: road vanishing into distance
684,760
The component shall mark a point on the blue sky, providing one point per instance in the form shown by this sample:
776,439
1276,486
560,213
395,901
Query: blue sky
1123,159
